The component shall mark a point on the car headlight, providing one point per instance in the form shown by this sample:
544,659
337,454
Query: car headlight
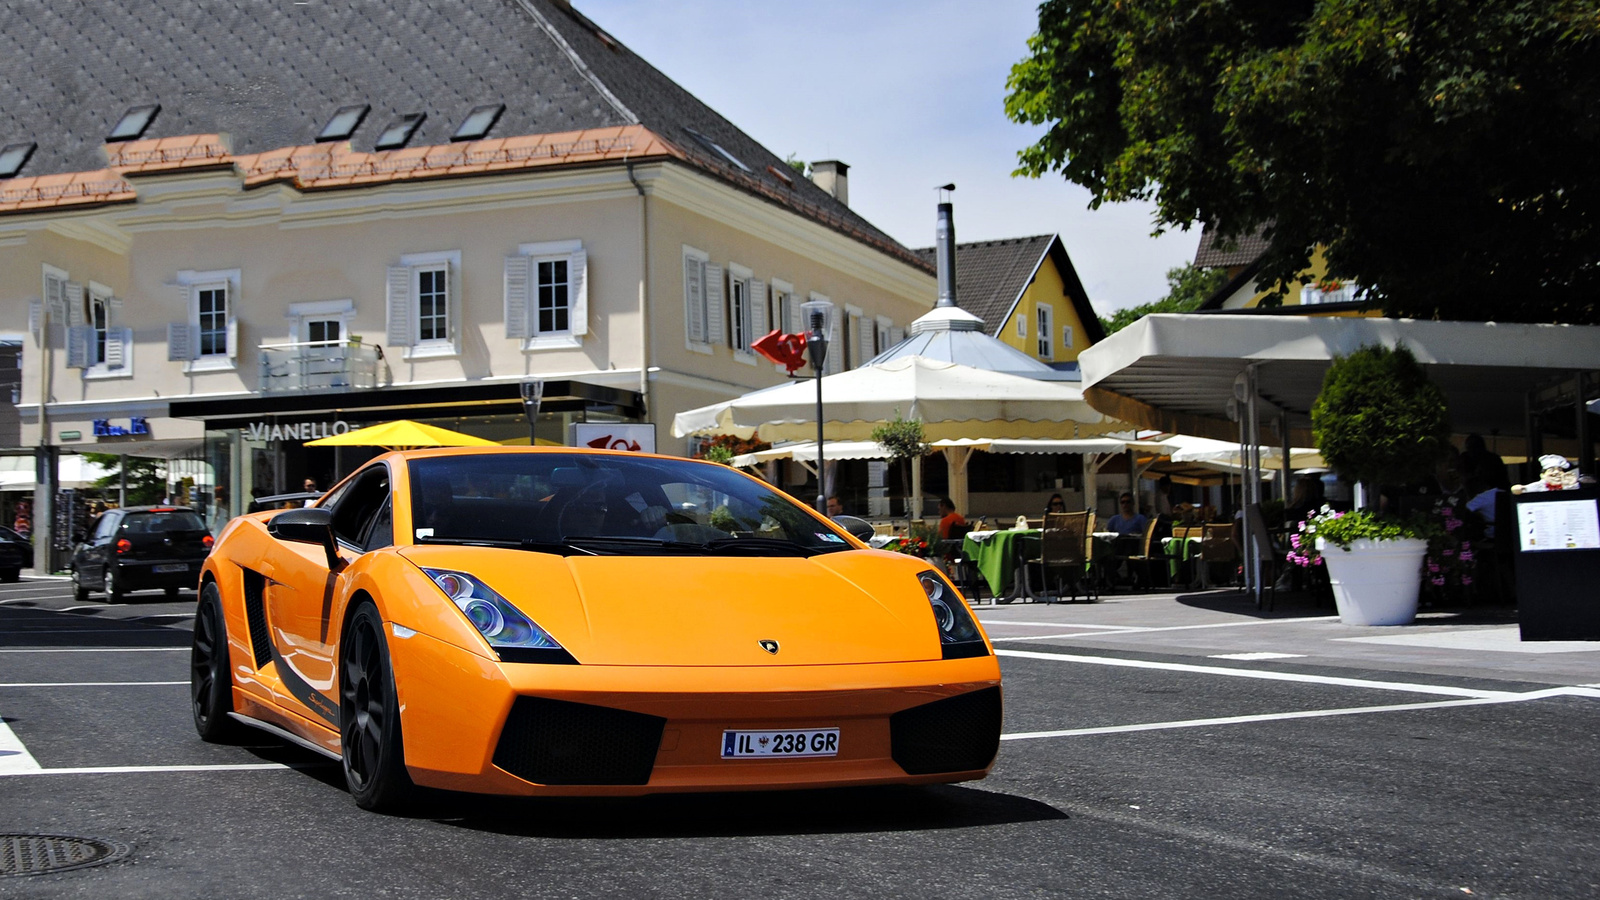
958,633
514,636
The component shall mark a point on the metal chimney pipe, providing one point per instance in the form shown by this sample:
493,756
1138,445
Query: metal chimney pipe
944,236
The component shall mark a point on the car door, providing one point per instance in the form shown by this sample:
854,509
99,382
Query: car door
300,592
93,553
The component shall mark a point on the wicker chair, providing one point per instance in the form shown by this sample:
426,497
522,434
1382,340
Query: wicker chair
1143,566
1217,548
1063,556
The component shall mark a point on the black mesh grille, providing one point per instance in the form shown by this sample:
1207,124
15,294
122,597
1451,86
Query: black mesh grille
957,734
255,610
556,742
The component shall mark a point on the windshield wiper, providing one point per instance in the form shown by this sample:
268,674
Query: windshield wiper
562,549
759,546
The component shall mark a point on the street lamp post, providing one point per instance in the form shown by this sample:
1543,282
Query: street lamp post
819,322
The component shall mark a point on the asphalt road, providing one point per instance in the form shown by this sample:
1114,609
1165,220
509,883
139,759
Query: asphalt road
1123,775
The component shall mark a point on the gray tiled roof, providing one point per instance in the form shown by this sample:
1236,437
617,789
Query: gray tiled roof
1244,250
990,275
271,74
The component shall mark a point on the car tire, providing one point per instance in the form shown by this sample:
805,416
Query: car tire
172,593
79,592
10,576
210,676
371,747
114,592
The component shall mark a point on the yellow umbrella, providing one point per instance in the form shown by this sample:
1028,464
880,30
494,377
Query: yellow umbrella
400,434
519,442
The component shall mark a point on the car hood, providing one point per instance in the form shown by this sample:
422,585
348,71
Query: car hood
849,607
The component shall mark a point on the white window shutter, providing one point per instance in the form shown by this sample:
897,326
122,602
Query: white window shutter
518,273
35,318
180,341
578,292
714,310
452,301
79,339
119,348
73,292
797,318
896,335
113,311
399,302
233,338
835,361
865,329
758,310
694,299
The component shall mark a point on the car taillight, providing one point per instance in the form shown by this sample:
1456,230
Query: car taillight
207,541
124,545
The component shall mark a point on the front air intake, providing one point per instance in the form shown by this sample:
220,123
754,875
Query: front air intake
557,742
958,734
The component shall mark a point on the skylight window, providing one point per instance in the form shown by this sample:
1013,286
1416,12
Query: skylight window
478,122
399,131
13,157
345,121
134,122
716,148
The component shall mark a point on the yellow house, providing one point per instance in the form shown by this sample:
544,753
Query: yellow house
1313,293
1029,296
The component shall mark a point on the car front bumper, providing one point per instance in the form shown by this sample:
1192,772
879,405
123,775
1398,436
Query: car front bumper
625,730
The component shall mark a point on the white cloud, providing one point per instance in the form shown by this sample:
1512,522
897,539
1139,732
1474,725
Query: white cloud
910,95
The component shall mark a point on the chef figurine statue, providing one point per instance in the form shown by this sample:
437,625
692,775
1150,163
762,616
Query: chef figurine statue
1556,474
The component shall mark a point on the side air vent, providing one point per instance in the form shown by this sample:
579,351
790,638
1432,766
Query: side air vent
556,742
957,734
255,610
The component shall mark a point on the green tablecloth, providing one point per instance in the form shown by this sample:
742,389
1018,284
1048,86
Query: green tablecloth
997,556
1179,551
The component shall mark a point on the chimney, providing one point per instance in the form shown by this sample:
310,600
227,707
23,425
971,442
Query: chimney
833,177
944,240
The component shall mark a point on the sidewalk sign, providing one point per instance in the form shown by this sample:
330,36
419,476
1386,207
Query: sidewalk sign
1558,565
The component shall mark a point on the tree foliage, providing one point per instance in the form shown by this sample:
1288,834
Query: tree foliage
1442,151
903,438
147,478
1379,420
1187,287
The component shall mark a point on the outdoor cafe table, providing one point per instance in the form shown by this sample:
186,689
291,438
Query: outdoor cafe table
998,554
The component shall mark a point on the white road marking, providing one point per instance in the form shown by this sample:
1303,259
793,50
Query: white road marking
1042,637
60,684
126,770
1309,714
1264,675
1057,625
14,758
93,649
1259,654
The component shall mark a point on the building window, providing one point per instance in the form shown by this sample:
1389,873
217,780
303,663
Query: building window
1066,337
100,320
702,300
555,309
212,303
1022,325
323,331
785,308
739,307
433,304
1046,332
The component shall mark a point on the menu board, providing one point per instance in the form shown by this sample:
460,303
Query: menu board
1558,525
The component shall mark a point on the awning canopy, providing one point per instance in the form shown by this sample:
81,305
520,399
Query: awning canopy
1176,372
17,472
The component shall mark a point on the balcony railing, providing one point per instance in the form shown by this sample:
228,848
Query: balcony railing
318,366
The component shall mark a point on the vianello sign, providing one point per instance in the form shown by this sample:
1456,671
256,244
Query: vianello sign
294,431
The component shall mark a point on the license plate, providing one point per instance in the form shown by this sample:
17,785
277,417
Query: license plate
791,743
170,567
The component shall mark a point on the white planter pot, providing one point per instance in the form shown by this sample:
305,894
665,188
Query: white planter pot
1376,582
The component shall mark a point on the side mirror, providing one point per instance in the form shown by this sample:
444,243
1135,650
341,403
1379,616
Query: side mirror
860,529
311,525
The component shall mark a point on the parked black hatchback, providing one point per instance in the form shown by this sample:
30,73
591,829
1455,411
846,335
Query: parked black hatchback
141,548
16,554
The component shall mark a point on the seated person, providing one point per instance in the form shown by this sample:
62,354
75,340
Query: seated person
1055,505
1128,521
948,518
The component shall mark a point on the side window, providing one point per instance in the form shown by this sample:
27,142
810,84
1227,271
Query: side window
360,502
106,526
381,534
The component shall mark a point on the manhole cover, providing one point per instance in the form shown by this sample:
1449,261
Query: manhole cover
37,854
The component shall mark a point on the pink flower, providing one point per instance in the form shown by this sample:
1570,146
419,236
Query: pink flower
1438,581
1447,511
1466,545
1466,556
1294,541
1466,579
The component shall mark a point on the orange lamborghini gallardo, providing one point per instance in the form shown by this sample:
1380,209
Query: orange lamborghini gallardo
563,621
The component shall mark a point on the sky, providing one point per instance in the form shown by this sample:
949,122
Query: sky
911,95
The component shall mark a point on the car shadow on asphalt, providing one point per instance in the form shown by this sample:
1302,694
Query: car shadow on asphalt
743,814
29,626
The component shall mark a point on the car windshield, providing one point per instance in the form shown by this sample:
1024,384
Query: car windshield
605,504
161,521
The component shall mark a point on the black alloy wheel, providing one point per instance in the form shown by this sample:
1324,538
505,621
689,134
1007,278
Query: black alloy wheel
369,717
210,683
79,592
11,576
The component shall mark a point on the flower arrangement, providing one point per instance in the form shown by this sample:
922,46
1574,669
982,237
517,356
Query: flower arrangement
1451,561
911,546
1340,529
